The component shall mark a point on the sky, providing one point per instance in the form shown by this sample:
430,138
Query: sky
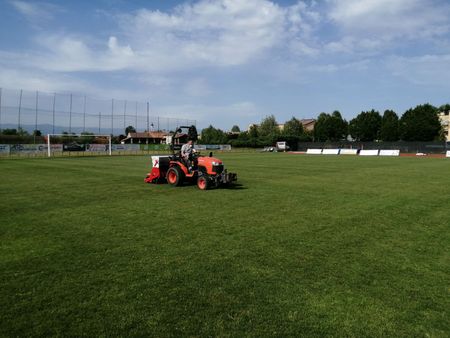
226,62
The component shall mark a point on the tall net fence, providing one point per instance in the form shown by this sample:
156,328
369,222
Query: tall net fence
73,113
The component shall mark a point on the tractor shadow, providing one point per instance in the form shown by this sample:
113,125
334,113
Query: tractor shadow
235,186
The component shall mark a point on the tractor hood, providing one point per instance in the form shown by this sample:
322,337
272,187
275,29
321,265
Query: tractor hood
212,161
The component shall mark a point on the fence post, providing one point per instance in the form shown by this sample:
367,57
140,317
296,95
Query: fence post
0,109
54,102
70,115
124,114
136,126
20,107
148,111
84,114
48,145
112,117
36,117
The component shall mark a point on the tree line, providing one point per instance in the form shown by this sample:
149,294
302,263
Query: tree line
416,124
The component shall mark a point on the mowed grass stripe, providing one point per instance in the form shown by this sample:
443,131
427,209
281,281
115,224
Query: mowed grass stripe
307,245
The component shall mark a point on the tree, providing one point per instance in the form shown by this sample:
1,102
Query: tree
389,127
9,131
338,128
212,135
445,108
37,132
420,124
22,132
330,127
320,128
268,126
366,126
129,129
293,127
235,129
243,136
253,131
86,137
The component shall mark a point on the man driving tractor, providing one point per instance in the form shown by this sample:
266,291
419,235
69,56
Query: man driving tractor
187,151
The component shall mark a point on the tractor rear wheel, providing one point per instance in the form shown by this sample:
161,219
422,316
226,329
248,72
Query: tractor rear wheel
203,183
175,176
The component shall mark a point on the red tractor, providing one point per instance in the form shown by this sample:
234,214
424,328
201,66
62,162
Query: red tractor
205,171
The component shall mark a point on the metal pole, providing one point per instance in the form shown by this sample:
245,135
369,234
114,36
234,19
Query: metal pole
124,114
70,115
20,107
112,116
110,146
136,126
148,111
36,114
0,109
54,101
99,121
84,114
158,123
48,145
36,117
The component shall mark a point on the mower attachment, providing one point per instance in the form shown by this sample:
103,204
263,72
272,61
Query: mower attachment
160,164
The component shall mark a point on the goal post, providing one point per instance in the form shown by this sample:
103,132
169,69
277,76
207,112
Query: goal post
49,143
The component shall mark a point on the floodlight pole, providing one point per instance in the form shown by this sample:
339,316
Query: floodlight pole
48,146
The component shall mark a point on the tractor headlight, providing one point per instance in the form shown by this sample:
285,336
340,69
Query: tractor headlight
215,163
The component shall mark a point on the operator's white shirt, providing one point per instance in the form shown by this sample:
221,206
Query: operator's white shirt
187,149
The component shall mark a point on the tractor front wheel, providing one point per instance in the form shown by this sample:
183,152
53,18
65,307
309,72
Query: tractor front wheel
203,183
175,176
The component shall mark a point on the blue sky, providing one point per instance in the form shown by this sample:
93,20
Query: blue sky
231,62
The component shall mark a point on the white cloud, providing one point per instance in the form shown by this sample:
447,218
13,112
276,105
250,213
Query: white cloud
218,33
206,33
197,87
71,54
36,12
386,20
422,70
29,79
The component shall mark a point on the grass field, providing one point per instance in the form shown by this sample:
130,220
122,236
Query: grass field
304,246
